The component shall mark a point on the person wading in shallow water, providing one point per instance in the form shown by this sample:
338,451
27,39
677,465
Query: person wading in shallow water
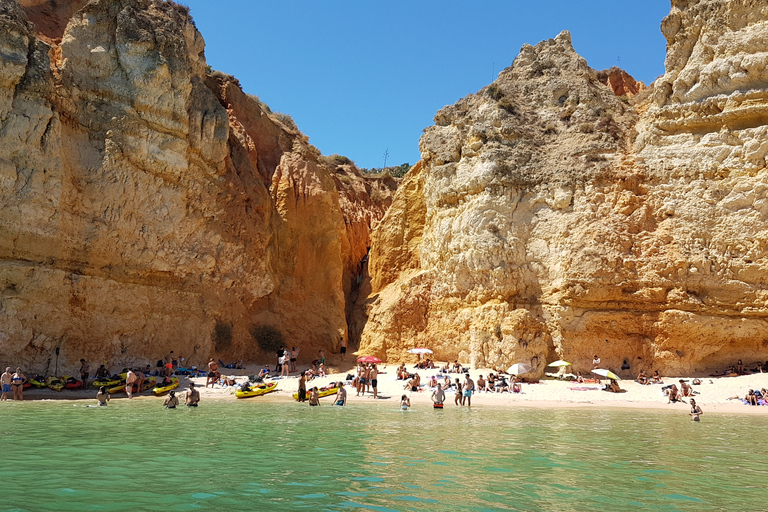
192,399
303,387
695,411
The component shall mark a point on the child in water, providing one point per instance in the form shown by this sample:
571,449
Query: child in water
405,402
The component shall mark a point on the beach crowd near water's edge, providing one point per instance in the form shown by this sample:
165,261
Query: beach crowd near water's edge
726,394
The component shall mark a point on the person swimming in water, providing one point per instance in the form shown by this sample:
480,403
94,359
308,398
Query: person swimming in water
405,402
192,398
695,411
102,397
171,401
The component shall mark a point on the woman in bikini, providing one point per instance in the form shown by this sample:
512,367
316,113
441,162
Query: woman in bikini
695,411
171,401
102,396
17,383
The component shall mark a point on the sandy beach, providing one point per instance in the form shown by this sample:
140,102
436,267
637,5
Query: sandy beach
712,394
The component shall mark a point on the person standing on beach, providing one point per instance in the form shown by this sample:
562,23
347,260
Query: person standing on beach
213,373
373,377
457,398
595,366
294,357
85,369
5,382
193,396
303,387
343,348
695,411
284,364
438,395
469,388
17,383
130,379
341,395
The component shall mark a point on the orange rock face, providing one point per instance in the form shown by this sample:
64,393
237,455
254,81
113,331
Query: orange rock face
620,82
146,206
552,219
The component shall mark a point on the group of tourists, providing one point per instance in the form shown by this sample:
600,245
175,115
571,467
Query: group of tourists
12,382
366,379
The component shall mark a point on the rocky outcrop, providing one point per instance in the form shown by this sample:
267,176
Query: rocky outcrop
620,82
146,206
551,219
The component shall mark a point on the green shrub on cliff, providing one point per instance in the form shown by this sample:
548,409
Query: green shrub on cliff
268,338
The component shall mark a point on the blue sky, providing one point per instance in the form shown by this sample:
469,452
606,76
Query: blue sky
364,77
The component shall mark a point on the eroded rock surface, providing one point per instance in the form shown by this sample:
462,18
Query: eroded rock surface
550,219
147,206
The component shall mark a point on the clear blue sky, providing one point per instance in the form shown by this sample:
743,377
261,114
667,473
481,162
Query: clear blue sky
361,77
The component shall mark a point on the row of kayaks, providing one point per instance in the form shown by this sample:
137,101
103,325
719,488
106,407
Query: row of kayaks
55,383
113,385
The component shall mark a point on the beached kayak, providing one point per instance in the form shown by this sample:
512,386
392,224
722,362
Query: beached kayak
326,391
55,383
149,383
71,382
109,383
259,389
159,390
38,382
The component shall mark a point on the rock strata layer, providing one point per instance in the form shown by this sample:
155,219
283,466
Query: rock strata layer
149,206
550,218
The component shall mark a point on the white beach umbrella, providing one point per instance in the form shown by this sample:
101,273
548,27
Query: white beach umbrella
420,351
518,368
559,362
606,373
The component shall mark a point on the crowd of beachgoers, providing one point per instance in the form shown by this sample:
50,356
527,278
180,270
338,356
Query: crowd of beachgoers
420,382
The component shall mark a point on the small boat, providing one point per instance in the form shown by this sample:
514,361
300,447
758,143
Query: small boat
161,388
71,382
55,383
110,382
259,389
325,391
38,381
149,383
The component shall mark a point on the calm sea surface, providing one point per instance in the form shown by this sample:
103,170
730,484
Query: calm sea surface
251,455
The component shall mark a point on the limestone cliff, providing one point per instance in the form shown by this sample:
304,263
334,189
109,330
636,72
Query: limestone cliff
147,206
551,219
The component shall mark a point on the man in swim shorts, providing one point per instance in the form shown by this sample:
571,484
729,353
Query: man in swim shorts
130,379
341,395
373,375
343,348
294,357
85,368
5,382
193,396
469,388
438,395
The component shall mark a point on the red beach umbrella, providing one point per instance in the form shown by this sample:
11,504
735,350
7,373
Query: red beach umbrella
368,359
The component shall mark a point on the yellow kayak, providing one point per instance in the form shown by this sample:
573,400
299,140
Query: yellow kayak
260,389
326,391
55,383
149,383
110,382
159,390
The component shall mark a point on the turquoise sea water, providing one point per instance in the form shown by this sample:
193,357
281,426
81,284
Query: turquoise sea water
251,455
